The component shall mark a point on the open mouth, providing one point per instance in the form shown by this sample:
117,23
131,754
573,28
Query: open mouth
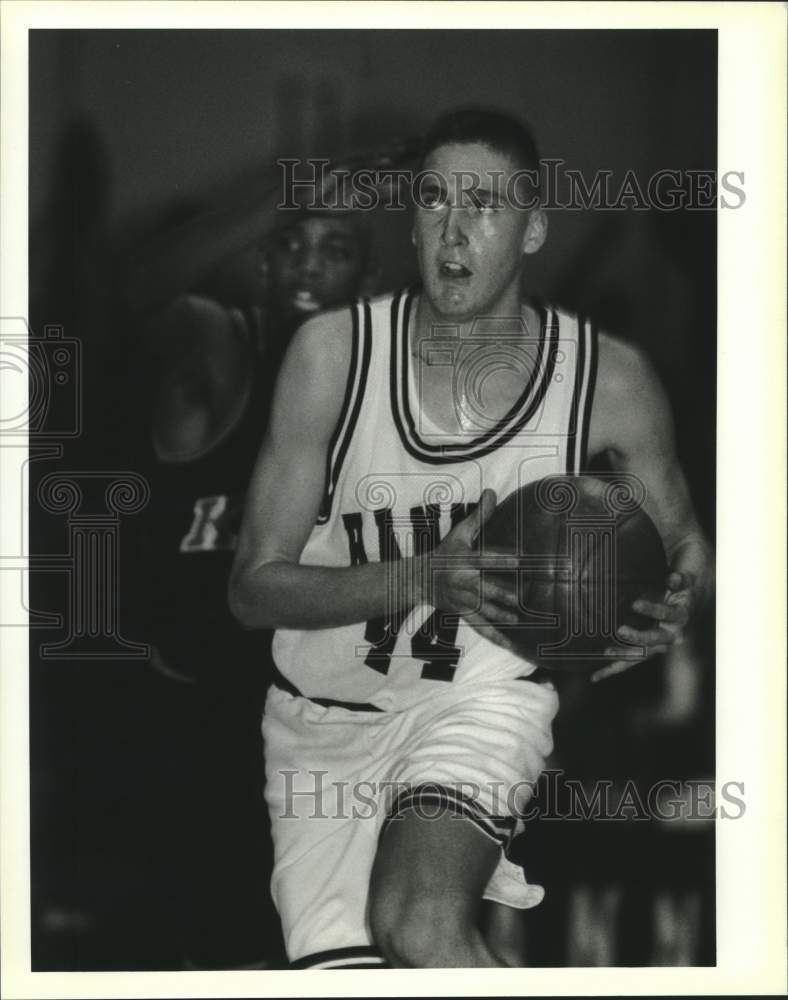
451,269
305,301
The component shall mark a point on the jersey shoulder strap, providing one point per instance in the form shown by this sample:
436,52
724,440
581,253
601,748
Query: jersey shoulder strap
582,393
358,371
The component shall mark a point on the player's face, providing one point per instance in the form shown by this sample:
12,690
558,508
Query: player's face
316,263
470,242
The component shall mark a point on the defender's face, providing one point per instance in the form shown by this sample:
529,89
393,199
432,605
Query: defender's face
317,263
470,242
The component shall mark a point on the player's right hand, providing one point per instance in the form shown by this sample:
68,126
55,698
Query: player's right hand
457,583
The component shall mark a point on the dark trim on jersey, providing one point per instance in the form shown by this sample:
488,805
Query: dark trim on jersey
248,335
571,444
497,828
279,680
361,352
359,957
593,362
506,428
582,397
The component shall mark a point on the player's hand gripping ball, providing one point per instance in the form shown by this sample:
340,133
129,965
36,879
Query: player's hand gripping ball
586,551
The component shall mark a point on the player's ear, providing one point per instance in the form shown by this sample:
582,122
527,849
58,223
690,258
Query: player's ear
535,231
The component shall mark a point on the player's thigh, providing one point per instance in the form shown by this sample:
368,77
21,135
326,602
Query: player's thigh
428,867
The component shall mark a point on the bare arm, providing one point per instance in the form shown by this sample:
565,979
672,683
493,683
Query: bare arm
177,261
269,588
632,424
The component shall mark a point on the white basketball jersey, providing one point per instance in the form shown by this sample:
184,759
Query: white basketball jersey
396,484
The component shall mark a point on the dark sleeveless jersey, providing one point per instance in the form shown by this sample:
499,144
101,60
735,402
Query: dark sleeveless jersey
193,521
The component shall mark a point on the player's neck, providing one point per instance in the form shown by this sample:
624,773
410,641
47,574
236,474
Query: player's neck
509,317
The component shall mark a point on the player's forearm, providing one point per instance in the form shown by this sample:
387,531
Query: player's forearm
175,263
694,557
286,595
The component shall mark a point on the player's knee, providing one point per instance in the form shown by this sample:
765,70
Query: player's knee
419,933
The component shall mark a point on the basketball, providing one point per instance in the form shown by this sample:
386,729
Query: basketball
586,550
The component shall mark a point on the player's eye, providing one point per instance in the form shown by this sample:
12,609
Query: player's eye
431,197
290,245
483,202
338,251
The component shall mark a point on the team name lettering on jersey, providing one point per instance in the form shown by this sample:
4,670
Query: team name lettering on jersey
434,641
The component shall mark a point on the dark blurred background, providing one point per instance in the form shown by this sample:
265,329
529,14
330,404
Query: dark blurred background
131,131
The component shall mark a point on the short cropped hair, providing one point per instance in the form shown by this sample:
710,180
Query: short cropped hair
495,129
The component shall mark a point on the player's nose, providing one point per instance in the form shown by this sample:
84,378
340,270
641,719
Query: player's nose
452,234
311,263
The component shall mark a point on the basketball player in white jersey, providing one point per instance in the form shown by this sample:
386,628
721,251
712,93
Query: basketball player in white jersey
403,735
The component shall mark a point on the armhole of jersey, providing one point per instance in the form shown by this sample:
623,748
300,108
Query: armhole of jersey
582,397
361,350
238,409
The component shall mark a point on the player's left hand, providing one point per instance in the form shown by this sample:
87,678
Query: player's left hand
670,615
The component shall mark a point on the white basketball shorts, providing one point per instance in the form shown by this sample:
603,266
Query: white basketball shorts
335,777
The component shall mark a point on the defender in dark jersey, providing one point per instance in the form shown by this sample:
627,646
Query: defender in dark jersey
214,357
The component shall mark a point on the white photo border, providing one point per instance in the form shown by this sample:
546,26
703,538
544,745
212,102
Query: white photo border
751,684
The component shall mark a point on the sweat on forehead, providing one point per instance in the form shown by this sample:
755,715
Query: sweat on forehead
476,176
